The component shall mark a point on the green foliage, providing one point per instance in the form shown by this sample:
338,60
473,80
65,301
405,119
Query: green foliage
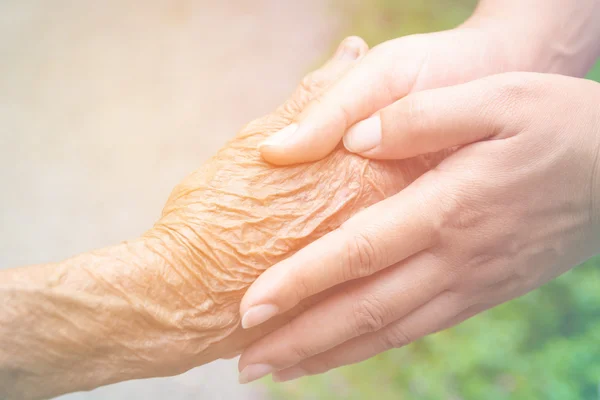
380,20
594,74
545,345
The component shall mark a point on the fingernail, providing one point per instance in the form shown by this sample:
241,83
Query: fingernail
281,136
364,135
350,49
289,374
253,372
256,315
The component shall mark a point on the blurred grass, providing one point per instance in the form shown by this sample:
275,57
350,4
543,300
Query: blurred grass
594,74
545,345
380,20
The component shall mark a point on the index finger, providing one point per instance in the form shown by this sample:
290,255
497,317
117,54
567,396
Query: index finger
382,235
375,82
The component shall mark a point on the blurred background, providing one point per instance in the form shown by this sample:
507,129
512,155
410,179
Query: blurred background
105,106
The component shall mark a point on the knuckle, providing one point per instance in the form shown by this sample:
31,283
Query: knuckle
362,256
458,214
513,90
300,348
369,316
512,83
457,207
301,352
416,113
315,82
427,195
448,206
397,336
300,288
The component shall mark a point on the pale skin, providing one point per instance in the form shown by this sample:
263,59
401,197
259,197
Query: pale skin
168,301
516,205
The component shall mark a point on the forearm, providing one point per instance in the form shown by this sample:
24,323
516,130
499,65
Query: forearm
558,36
92,320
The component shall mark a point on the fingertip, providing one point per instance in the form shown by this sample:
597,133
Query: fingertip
280,137
362,47
262,293
284,155
277,155
276,148
320,127
259,314
351,48
253,372
298,144
364,137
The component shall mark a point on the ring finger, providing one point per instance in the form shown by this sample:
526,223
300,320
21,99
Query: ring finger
364,306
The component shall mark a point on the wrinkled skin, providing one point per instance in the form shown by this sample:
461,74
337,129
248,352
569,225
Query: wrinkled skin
169,301
238,215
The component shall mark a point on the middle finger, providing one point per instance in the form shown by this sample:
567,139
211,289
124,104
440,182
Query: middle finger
364,306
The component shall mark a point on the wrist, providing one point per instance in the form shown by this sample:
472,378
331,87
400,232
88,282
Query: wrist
182,311
562,37
102,317
201,297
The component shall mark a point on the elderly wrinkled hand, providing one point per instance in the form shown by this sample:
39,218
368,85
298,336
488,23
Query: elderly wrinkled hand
516,205
169,301
237,215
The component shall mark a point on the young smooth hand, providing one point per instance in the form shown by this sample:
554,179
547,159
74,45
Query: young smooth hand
550,36
516,205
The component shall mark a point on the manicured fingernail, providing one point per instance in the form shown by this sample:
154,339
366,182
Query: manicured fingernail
281,136
363,136
253,372
289,374
256,315
350,49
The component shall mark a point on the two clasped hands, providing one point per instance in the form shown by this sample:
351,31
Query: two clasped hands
516,204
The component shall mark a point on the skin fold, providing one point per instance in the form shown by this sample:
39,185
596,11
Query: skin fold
549,36
515,206
168,301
